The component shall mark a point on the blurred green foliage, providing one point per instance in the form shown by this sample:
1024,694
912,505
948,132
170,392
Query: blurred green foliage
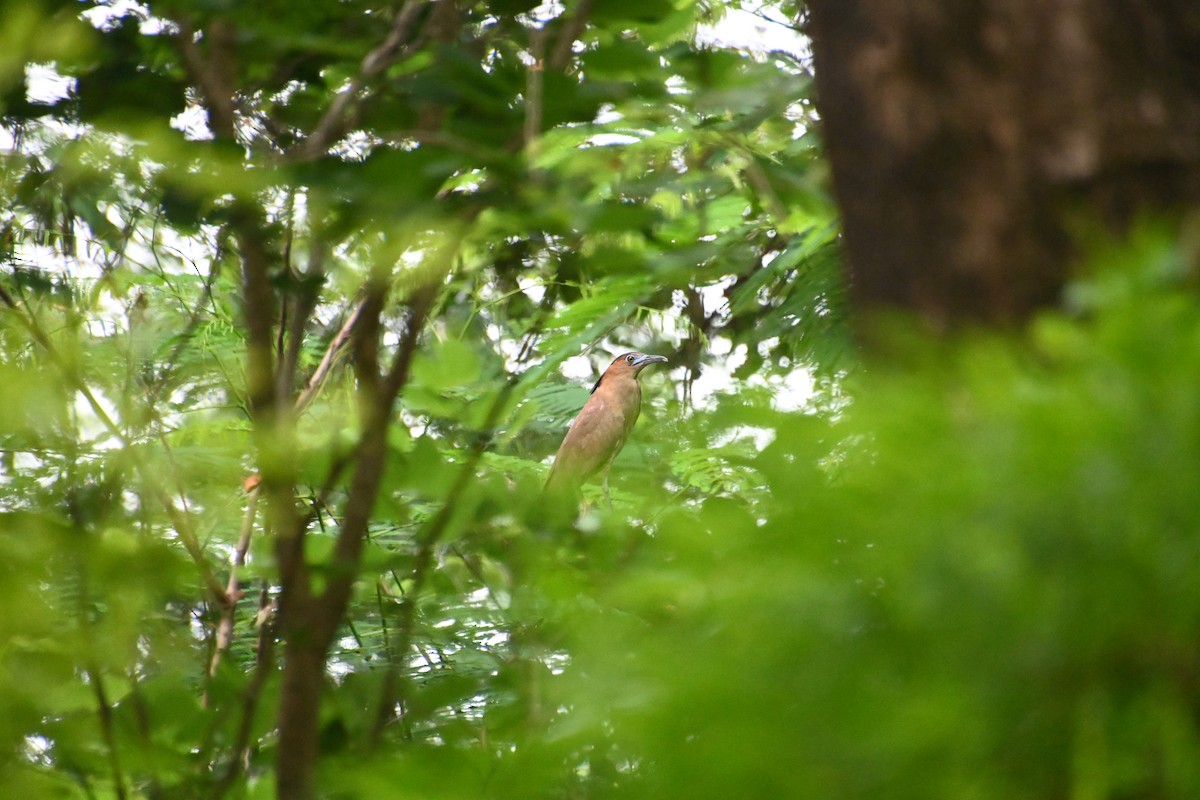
959,569
996,597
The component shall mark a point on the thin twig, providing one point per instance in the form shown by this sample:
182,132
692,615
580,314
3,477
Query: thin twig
335,348
449,141
477,573
160,382
224,633
183,527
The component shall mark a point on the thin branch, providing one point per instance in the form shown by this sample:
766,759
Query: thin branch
571,31
477,573
368,473
302,306
365,346
107,729
398,375
187,536
534,75
211,79
449,141
160,382
29,324
265,650
336,346
282,377
321,499
758,178
333,124
141,714
224,634
258,299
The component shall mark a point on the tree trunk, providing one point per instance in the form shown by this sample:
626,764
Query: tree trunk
961,133
303,680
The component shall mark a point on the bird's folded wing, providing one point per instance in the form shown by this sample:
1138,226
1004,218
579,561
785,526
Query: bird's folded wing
594,438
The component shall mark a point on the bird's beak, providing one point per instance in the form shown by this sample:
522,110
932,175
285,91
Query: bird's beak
642,361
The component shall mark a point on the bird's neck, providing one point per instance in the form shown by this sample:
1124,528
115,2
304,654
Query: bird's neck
625,386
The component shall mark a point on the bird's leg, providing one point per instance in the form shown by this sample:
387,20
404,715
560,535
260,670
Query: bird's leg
607,495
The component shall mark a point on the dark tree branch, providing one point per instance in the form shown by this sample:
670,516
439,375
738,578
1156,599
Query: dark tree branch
215,79
258,298
213,76
107,728
368,473
365,346
268,409
301,306
309,625
141,715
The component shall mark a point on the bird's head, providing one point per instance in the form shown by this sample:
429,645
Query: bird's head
629,364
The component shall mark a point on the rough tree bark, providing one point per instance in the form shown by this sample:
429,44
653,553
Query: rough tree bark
963,134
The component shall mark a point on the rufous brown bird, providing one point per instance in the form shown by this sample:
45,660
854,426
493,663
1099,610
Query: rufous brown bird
600,430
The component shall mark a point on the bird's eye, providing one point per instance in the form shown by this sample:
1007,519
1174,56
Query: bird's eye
629,359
